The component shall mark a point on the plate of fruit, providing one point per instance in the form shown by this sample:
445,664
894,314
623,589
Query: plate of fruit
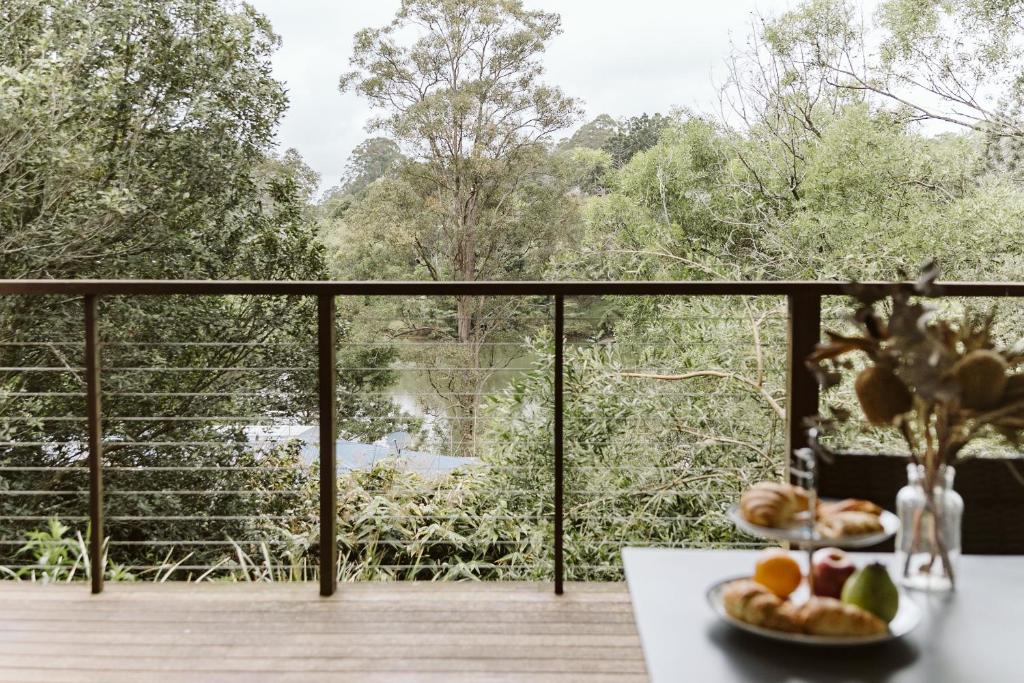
839,604
782,511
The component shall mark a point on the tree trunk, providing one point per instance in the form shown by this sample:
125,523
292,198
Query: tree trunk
465,262
470,335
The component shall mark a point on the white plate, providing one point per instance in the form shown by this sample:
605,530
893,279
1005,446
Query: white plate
799,532
907,618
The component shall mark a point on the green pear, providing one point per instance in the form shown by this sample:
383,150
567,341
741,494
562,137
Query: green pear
871,589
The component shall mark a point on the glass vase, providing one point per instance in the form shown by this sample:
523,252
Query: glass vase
928,540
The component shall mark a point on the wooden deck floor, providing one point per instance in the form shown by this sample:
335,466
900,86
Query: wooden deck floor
367,632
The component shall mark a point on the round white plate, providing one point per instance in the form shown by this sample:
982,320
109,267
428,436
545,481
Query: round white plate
799,532
907,618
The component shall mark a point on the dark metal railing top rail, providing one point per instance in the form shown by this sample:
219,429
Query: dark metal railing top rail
481,288
804,321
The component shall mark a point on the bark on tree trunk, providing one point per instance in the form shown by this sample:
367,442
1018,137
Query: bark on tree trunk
466,268
469,332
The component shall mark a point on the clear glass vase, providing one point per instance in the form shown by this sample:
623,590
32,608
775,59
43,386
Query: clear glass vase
928,540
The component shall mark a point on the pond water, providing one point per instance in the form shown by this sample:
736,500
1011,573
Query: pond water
414,394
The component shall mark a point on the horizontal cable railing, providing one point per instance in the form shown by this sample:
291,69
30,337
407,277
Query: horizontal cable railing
160,453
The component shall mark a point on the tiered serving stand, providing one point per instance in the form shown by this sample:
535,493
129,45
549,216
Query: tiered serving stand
804,535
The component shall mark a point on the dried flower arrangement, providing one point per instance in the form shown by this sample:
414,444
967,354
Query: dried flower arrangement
940,383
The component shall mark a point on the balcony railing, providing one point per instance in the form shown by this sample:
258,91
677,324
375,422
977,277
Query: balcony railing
804,314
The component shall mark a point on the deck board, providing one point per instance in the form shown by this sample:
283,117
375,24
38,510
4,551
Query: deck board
370,632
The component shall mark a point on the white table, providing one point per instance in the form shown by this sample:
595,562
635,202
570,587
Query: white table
974,635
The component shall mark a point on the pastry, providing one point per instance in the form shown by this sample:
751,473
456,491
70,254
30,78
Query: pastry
772,504
848,523
754,604
803,498
830,617
848,505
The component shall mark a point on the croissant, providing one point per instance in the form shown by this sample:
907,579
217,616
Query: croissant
772,504
848,523
848,505
830,617
752,603
803,498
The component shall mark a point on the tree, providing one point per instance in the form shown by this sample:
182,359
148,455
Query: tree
458,86
136,142
370,160
584,170
961,62
465,96
957,62
592,135
636,134
119,142
778,100
801,119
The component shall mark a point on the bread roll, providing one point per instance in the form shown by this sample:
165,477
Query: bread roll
829,617
771,504
754,604
848,505
848,523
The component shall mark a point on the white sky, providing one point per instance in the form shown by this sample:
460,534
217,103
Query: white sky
621,57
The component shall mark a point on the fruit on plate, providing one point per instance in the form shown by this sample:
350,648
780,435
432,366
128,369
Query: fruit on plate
830,568
778,572
871,589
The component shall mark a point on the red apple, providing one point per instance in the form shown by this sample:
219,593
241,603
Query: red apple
830,568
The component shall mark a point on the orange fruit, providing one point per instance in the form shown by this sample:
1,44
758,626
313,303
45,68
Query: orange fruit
778,572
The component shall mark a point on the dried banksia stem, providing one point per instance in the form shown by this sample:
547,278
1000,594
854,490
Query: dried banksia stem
883,396
981,375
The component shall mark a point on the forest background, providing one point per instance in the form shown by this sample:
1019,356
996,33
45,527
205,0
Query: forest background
137,141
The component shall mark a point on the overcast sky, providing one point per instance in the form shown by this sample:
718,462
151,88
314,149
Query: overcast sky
621,57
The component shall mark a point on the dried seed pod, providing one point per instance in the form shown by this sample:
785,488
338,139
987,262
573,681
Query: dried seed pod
981,375
882,394
1014,390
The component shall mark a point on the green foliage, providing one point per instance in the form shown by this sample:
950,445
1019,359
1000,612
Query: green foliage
477,130
120,142
60,557
493,520
136,143
371,160
636,134
675,179
126,153
958,62
634,473
594,134
458,84
584,170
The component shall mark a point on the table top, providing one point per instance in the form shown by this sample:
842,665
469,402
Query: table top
970,635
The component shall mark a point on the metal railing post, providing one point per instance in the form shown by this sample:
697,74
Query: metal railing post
326,367
559,459
804,332
93,409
